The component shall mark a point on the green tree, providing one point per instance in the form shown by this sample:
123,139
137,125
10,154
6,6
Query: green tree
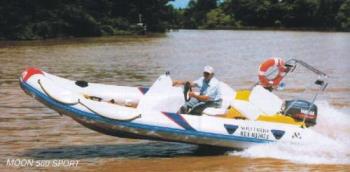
251,13
343,16
196,13
216,18
35,19
285,13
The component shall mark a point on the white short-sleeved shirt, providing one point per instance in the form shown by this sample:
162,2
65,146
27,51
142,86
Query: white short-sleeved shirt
210,89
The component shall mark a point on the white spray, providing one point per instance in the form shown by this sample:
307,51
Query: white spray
328,144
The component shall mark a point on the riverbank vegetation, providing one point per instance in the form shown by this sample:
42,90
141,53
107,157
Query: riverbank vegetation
42,19
284,14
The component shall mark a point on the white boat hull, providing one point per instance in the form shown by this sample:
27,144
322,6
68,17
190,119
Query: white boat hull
150,124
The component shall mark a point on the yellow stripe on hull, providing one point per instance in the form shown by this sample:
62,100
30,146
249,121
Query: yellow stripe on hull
279,118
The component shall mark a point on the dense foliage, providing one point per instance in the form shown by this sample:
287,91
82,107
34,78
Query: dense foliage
37,19
303,14
40,19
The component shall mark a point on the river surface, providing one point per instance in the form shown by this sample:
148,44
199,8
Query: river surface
31,131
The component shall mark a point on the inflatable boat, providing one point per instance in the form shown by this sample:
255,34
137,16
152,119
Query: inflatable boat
246,117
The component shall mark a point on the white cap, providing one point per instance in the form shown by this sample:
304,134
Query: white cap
209,69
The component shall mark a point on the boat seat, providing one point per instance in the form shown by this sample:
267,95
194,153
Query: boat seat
228,94
108,110
260,102
265,100
247,109
162,96
56,92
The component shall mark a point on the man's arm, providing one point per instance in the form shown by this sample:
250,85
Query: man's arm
211,93
178,82
181,82
202,98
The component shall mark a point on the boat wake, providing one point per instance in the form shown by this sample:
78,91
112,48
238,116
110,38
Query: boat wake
327,145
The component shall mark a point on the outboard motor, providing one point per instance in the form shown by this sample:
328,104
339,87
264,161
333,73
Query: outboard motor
301,110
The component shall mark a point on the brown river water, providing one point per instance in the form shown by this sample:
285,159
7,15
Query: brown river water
31,131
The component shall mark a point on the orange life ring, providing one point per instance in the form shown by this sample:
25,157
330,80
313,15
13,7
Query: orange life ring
266,68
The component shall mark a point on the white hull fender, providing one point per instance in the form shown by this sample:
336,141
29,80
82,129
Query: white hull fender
110,113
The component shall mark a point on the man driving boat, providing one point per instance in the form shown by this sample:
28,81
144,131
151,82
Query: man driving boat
209,93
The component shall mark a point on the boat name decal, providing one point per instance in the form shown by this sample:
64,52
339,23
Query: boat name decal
254,132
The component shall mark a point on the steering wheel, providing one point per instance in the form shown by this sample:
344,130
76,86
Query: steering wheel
187,90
